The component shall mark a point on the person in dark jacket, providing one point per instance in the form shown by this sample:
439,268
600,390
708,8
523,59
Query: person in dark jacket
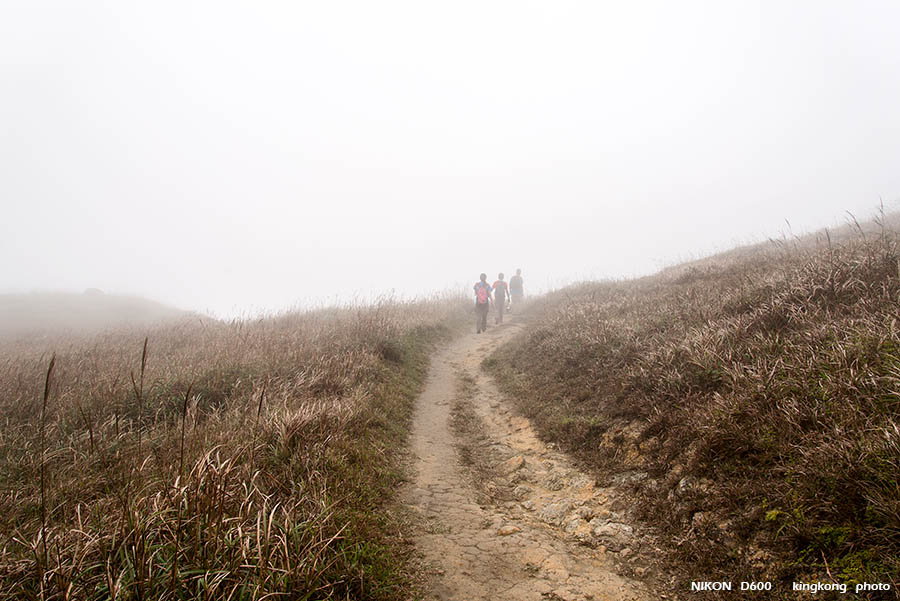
482,303
516,288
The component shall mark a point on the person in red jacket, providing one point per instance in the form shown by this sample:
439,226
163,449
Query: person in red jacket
482,303
501,296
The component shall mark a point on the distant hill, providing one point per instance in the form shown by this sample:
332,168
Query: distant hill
53,312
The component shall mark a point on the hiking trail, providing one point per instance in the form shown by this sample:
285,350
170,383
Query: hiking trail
525,545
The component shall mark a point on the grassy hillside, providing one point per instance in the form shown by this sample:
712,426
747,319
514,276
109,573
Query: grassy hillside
245,460
753,397
48,313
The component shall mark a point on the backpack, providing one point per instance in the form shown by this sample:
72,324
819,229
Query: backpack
481,294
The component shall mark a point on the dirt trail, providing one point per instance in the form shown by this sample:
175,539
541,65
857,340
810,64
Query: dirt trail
527,549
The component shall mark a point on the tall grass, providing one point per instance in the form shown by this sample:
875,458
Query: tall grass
245,460
756,391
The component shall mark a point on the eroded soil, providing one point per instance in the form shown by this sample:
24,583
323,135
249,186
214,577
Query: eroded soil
534,528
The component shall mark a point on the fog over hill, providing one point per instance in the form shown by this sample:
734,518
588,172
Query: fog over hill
58,312
242,159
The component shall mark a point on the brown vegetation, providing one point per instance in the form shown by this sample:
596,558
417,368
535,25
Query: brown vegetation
752,397
211,460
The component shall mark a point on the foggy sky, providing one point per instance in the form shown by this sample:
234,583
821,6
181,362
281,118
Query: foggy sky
235,157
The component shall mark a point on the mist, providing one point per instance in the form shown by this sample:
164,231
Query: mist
238,158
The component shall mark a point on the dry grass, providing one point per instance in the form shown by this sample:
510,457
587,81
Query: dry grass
758,391
242,460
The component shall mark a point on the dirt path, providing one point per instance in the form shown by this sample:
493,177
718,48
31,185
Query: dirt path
540,543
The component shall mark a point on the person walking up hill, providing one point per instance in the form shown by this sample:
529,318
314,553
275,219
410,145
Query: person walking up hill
482,303
517,288
501,296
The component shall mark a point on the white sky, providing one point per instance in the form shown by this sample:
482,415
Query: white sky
233,157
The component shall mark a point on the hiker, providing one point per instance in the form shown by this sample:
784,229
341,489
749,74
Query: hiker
516,288
501,297
482,303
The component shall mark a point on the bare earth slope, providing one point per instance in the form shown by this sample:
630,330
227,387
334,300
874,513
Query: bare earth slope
525,550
